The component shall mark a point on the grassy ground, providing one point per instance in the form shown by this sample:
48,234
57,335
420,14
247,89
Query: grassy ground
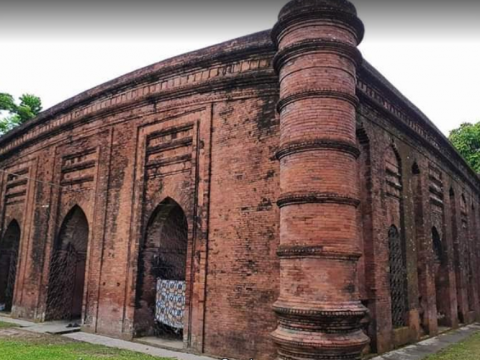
4,325
17,344
465,350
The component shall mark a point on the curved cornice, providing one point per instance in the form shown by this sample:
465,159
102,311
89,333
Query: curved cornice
240,63
258,44
262,78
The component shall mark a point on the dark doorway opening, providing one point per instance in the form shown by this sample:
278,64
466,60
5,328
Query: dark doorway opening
9,247
67,268
440,271
161,282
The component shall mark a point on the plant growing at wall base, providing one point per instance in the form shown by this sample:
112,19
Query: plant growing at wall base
466,140
29,107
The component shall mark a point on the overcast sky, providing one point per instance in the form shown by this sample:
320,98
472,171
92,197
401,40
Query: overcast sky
429,50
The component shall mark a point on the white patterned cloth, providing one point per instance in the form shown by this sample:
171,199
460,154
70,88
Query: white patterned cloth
170,302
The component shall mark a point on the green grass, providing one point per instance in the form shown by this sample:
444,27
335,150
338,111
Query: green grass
465,350
4,325
28,346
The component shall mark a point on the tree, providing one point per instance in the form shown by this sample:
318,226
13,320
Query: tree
29,107
467,141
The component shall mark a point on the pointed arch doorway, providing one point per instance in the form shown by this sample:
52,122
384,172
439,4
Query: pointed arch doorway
440,272
161,281
67,268
9,247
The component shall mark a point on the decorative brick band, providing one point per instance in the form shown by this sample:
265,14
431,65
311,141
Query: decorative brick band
295,147
316,45
16,194
54,121
316,12
329,344
314,326
318,93
316,251
79,167
284,355
298,198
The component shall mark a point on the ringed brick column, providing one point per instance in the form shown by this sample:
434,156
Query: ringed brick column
318,308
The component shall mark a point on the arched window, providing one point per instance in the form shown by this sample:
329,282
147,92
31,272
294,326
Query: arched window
9,246
398,284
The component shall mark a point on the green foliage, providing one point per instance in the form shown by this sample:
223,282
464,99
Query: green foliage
29,107
7,102
467,141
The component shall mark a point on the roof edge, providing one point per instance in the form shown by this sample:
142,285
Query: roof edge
224,50
369,69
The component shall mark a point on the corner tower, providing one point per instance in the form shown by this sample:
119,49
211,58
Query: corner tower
318,308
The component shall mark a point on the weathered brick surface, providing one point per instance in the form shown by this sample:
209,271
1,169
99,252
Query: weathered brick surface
202,131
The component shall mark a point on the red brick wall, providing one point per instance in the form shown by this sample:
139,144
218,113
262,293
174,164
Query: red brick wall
243,273
426,183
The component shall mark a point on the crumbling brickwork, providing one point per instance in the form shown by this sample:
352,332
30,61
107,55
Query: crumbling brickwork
302,189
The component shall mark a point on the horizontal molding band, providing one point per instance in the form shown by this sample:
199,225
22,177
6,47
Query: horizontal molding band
316,251
315,327
16,194
298,198
296,355
185,142
318,93
78,181
79,167
169,161
316,45
295,147
18,183
300,350
286,311
318,12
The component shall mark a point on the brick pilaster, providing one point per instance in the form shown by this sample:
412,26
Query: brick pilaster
318,308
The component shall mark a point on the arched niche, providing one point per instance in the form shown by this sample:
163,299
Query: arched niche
162,267
66,283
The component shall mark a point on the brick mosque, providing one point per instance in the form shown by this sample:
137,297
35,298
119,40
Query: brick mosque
271,196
